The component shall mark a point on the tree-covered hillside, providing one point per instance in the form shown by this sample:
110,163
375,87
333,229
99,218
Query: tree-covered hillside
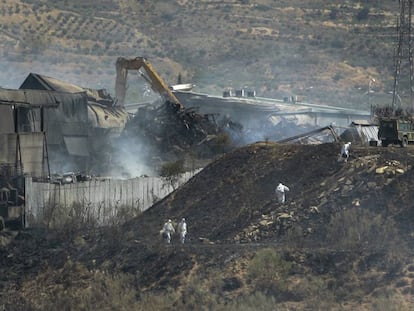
324,52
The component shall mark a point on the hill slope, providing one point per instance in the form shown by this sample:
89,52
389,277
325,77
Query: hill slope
340,242
324,52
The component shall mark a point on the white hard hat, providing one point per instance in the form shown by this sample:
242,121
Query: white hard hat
183,219
169,220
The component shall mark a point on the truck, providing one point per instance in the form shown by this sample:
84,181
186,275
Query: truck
395,131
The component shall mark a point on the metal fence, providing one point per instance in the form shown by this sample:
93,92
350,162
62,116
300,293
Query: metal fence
98,200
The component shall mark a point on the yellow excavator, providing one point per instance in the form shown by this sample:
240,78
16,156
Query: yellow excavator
123,65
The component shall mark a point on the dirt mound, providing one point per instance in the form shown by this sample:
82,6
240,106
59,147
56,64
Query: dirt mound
234,196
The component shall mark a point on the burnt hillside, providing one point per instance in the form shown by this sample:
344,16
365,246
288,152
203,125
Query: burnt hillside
237,190
341,241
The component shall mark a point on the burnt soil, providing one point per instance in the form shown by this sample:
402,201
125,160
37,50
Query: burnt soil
232,213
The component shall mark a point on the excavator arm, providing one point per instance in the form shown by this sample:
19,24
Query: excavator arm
317,131
123,65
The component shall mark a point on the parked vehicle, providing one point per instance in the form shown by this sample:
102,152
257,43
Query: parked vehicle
395,131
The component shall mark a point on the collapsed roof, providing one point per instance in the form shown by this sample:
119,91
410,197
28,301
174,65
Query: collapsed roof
24,98
41,82
101,109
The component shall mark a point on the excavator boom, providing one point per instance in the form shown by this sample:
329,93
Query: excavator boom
317,131
123,65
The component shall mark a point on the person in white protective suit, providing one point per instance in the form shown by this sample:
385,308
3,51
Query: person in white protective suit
182,230
167,231
345,151
280,192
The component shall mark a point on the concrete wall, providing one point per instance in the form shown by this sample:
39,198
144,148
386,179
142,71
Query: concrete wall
98,200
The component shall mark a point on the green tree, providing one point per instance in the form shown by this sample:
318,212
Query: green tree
171,172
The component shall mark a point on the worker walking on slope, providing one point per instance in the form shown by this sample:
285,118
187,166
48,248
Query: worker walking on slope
345,151
280,192
167,231
182,230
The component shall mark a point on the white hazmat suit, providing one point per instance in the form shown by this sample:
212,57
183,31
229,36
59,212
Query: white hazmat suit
182,230
167,231
345,151
280,192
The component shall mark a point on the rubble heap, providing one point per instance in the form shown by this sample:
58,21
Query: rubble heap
173,131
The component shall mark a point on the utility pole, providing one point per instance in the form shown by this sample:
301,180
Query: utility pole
403,49
371,80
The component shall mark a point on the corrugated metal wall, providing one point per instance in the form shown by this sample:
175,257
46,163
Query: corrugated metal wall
97,200
30,147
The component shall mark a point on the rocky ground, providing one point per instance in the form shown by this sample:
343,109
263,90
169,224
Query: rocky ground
343,237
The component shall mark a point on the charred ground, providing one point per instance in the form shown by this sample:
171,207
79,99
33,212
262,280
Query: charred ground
343,239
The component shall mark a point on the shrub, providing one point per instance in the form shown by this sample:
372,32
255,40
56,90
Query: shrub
357,228
337,44
125,213
105,292
390,300
154,302
221,143
363,14
269,271
253,302
261,7
197,296
333,14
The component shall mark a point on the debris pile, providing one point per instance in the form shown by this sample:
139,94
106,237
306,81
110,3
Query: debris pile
173,131
391,168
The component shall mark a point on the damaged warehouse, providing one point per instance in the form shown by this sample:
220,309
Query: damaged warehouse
27,190
96,130
23,149
79,130
81,135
